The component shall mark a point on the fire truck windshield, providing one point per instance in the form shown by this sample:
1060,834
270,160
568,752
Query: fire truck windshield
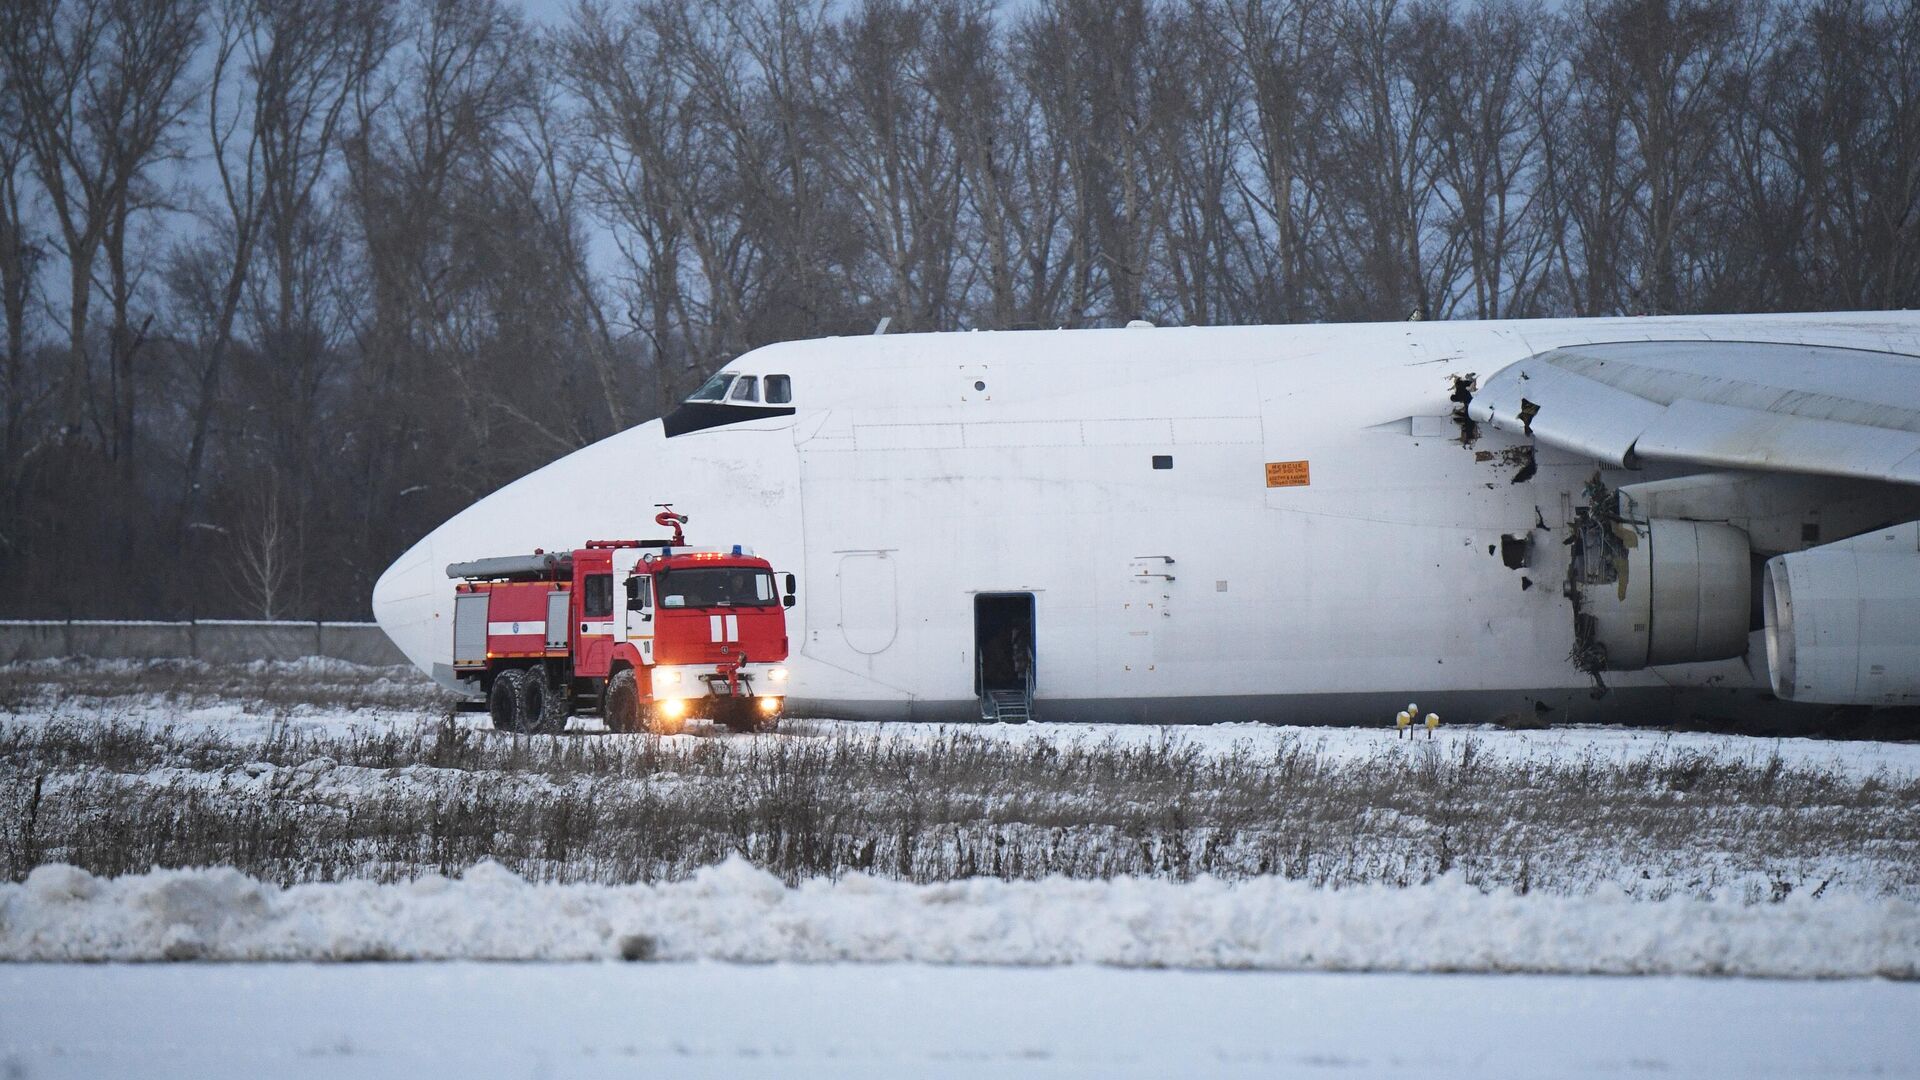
717,586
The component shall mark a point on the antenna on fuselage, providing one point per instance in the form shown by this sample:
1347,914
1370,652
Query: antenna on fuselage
880,327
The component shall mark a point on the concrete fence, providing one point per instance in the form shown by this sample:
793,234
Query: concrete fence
223,640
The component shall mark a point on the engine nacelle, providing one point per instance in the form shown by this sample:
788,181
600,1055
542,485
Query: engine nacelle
1843,620
1659,592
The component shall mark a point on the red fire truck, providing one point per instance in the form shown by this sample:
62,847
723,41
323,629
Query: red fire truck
646,632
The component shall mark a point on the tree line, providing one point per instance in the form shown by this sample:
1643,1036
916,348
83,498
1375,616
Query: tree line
285,285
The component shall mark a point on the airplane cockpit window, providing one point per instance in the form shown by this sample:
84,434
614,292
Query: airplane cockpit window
714,389
731,398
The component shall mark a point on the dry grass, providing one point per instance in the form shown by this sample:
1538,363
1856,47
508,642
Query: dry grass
293,805
48,685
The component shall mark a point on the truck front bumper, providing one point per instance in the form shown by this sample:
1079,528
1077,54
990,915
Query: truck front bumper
755,695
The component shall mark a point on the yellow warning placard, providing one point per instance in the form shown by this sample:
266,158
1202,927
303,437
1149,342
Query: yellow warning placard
1287,474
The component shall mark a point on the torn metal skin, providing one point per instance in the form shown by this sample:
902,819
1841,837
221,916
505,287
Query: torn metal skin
1462,396
1600,540
1519,457
1528,410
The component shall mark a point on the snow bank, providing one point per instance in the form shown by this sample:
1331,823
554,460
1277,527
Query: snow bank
735,912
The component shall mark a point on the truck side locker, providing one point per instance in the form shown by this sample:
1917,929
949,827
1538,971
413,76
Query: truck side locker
558,620
470,629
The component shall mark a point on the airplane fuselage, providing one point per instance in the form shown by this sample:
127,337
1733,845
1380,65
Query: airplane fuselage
1266,523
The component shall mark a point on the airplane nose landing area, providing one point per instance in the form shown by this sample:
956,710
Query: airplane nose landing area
406,605
413,599
601,492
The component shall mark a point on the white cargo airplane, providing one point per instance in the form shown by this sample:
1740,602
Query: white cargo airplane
1322,523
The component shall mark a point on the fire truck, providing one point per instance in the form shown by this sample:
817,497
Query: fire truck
648,633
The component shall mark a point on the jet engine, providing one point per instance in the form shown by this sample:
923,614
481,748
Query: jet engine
1843,620
1658,592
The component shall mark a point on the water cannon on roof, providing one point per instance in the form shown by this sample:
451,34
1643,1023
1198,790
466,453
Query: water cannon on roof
666,517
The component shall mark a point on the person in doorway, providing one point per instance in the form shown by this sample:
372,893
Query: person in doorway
996,660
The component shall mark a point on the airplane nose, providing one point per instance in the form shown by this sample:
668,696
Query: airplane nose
556,507
406,604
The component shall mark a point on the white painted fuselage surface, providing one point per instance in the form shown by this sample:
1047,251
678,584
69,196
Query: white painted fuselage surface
916,472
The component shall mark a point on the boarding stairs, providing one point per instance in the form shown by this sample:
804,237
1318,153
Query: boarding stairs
1008,705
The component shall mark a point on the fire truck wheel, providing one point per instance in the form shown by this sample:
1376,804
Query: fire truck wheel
503,701
543,711
622,702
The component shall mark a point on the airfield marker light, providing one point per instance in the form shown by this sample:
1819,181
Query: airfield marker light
1433,721
1401,722
1413,710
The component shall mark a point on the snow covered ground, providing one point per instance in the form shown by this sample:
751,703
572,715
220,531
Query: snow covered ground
734,912
128,768
266,698
1570,743
1307,901
213,1022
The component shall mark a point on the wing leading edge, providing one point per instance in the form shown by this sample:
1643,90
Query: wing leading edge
1727,404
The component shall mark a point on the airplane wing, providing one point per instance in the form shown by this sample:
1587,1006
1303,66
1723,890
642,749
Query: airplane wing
1727,404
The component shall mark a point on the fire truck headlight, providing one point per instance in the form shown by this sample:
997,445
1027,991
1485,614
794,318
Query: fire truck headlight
778,675
769,704
673,709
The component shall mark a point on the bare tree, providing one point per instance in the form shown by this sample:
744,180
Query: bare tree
892,151
1198,114
1086,65
439,245
642,136
20,258
1282,49
99,88
207,279
1651,73
555,179
1389,257
422,164
772,124
478,349
964,78
1476,67
265,554
308,62
1828,140
1587,171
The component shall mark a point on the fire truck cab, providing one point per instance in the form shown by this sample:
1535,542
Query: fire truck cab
648,633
